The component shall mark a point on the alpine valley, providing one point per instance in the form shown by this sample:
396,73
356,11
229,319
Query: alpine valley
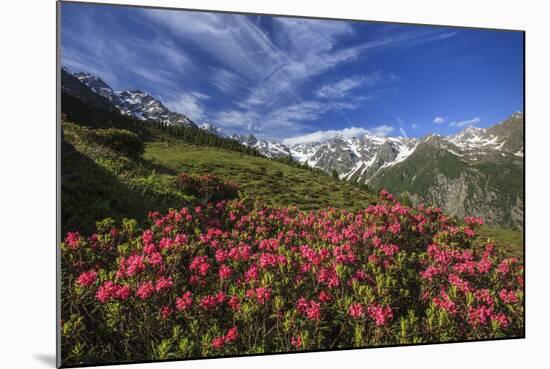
476,172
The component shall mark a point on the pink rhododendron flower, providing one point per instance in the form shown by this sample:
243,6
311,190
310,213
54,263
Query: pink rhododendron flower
185,301
225,272
218,342
232,335
508,297
380,314
356,310
165,312
261,294
73,240
87,278
234,303
145,290
445,302
296,341
163,283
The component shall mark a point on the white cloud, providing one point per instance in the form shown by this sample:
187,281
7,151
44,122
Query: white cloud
225,80
414,126
188,104
439,120
402,131
464,123
382,130
321,136
343,87
340,88
267,69
101,54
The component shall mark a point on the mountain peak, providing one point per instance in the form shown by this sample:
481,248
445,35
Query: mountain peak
95,83
133,102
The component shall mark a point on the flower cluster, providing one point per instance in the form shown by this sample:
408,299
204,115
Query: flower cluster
235,277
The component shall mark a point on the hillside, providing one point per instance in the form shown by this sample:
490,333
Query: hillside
434,174
99,182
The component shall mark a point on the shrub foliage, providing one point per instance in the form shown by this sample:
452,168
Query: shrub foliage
121,140
235,277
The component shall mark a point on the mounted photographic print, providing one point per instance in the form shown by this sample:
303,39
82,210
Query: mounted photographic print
245,184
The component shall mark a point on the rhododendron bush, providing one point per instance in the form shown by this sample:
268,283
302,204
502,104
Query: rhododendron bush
234,277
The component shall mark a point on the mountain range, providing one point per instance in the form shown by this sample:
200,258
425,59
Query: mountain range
132,102
476,172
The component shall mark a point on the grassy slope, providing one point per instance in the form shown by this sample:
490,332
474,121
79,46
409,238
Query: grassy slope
98,182
271,182
508,240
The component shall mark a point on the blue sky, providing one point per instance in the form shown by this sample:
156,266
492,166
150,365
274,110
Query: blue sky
299,80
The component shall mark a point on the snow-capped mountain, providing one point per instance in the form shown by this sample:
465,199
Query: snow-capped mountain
268,148
134,102
477,171
354,157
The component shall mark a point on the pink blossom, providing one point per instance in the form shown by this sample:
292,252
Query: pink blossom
459,283
234,303
232,335
145,290
87,278
134,264
479,315
73,240
324,296
110,290
445,302
429,273
218,342
296,341
184,302
508,297
261,294
380,314
501,319
356,310
165,312
163,283
225,272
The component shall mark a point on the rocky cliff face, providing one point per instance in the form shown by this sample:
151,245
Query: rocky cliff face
476,172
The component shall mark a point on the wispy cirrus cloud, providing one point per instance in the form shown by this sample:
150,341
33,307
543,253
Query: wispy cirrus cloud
266,75
226,81
465,123
158,61
268,69
343,87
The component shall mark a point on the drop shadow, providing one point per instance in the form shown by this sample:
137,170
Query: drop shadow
48,359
